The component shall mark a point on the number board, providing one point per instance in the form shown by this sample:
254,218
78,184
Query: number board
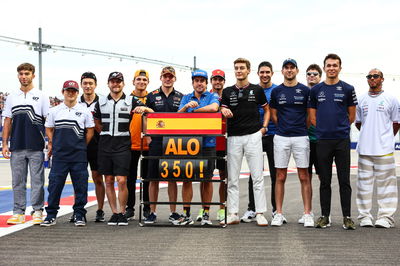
186,166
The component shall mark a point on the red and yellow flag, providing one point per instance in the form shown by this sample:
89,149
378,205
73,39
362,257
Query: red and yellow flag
184,124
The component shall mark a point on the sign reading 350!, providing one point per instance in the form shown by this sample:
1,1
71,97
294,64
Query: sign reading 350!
186,148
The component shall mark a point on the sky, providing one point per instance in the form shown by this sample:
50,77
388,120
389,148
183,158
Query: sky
365,34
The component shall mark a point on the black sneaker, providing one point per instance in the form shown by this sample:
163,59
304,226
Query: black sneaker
80,221
122,220
146,213
174,218
48,222
151,219
130,214
99,216
113,220
72,218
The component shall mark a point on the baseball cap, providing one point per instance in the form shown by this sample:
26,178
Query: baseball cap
141,72
289,61
116,75
199,73
218,73
88,75
70,84
168,70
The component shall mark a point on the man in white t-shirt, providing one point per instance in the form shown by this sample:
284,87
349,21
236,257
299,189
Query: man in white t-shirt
377,119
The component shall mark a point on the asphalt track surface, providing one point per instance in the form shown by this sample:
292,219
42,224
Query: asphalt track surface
243,244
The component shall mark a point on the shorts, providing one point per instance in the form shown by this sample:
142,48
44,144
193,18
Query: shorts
92,160
211,163
115,164
154,150
313,158
284,146
221,163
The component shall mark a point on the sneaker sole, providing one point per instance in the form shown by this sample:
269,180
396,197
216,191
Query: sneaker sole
37,222
247,220
14,223
80,225
47,225
189,223
122,224
234,222
206,223
279,225
262,224
99,221
112,224
348,228
149,222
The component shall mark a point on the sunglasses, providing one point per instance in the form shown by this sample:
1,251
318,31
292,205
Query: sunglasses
312,74
375,76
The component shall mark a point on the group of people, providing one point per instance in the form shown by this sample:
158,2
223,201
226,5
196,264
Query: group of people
311,122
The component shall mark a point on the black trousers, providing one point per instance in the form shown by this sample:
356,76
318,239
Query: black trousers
268,147
327,150
131,182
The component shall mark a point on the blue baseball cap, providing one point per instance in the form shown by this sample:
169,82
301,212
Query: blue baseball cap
289,61
199,73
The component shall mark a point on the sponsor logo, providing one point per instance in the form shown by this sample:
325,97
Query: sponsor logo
35,98
78,114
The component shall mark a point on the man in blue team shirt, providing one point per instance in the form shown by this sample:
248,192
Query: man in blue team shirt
24,112
332,109
265,73
289,112
200,100
65,128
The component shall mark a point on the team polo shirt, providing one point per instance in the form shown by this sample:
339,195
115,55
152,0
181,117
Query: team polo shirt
159,102
377,115
115,117
246,117
271,125
332,102
206,98
28,112
291,106
69,143
94,142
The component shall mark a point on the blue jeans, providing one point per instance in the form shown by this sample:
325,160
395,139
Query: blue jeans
58,174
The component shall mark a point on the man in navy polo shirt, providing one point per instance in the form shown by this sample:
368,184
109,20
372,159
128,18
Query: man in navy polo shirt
240,104
164,99
332,109
200,100
65,128
24,114
289,112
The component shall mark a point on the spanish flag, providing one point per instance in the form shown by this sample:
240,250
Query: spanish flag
184,124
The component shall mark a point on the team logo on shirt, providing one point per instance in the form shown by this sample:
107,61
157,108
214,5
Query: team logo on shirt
321,96
160,124
339,88
158,98
35,98
78,114
381,107
298,90
282,99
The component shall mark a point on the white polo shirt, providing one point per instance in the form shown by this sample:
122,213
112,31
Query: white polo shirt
28,112
69,143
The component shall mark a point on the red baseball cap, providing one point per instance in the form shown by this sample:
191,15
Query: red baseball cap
217,73
70,84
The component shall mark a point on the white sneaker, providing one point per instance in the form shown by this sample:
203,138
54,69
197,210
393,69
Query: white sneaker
301,220
278,220
308,220
383,223
232,219
366,222
261,220
248,217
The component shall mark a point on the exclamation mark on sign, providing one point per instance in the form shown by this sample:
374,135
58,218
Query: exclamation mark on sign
201,166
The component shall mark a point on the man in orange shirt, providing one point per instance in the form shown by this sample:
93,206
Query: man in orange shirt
140,82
